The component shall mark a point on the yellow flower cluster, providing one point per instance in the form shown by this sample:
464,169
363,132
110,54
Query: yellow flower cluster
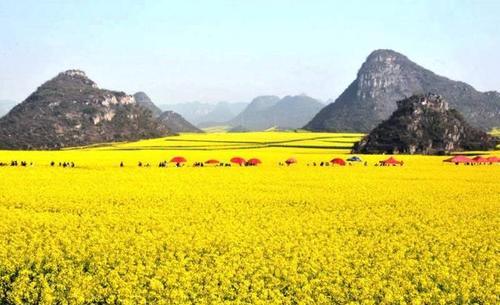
423,233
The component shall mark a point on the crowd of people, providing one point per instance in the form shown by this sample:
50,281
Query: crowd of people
223,164
323,164
62,164
17,163
181,164
255,162
178,164
401,163
31,163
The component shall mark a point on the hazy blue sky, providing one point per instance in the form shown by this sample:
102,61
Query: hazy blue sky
215,50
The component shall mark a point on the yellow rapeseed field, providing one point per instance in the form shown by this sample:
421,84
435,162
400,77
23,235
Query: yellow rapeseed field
423,233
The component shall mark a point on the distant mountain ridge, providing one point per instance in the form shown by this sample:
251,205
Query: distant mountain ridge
264,112
171,119
221,113
388,76
423,124
206,114
190,110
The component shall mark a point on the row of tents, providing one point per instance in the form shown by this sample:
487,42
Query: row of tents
337,161
476,160
387,162
289,161
256,161
235,160
342,162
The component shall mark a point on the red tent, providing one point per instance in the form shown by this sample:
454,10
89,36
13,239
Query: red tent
391,161
237,160
212,161
254,161
459,159
178,160
480,159
338,161
493,159
291,161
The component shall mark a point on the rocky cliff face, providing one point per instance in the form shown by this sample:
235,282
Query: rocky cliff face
424,124
70,110
388,76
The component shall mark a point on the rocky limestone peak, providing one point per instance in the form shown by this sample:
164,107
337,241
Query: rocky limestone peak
69,110
428,101
423,124
380,62
387,77
71,78
74,73
383,70
385,56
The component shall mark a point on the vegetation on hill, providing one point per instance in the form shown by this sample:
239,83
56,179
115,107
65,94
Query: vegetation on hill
423,124
70,110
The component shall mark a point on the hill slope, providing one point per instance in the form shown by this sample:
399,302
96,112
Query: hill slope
423,124
265,112
172,120
386,77
176,123
143,100
70,110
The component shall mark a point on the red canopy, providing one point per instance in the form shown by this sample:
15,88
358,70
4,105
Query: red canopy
254,161
237,160
178,160
459,159
493,159
291,161
391,161
338,161
212,161
480,159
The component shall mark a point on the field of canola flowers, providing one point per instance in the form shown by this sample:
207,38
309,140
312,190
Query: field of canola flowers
422,233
